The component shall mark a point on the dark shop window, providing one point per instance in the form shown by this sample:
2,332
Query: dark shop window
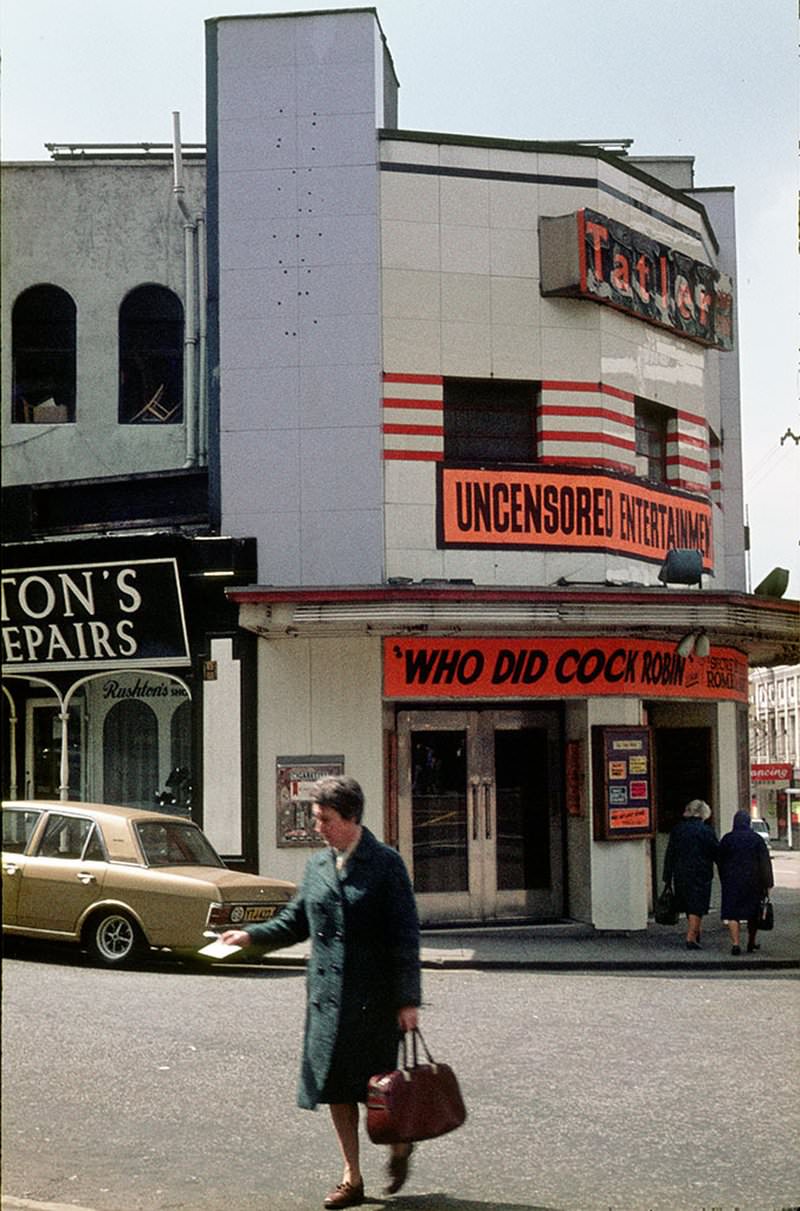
151,357
489,421
43,327
651,441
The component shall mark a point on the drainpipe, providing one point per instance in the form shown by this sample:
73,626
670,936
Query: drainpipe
202,328
190,417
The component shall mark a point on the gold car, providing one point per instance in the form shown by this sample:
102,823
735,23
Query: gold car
119,880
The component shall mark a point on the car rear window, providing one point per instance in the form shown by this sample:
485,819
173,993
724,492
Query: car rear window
18,826
175,844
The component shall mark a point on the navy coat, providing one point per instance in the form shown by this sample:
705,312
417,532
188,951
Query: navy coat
363,967
745,871
689,864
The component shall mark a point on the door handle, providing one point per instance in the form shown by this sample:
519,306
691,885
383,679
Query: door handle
476,808
84,877
10,868
487,807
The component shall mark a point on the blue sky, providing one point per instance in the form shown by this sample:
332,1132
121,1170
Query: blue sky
716,79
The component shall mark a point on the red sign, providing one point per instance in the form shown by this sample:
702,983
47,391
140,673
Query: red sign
587,255
777,772
557,668
543,508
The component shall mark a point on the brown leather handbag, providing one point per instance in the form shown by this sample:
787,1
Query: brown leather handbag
417,1101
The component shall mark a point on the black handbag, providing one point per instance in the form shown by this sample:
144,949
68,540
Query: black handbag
665,911
416,1102
766,914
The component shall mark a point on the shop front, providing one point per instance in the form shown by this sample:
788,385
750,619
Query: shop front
118,656
525,774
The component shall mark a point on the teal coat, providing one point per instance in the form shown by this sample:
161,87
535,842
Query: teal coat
363,967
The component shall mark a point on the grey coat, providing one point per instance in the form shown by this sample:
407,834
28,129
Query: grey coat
364,966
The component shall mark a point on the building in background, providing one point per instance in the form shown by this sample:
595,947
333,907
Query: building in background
123,671
775,749
451,458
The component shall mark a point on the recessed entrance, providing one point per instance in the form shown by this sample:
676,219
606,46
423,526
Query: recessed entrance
479,813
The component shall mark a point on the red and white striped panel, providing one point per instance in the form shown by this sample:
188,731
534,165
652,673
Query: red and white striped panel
586,425
413,426
687,453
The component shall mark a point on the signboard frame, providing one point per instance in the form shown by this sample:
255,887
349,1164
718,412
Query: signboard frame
623,783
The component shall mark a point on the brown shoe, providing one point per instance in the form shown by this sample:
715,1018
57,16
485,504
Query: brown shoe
345,1195
397,1170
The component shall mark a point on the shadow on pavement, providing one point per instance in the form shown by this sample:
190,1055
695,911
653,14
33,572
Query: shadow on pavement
448,1202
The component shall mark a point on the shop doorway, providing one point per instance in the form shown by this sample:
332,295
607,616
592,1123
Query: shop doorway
479,813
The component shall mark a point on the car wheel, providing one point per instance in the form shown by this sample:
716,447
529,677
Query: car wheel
113,939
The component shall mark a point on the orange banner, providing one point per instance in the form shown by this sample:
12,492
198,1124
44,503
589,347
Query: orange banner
542,508
557,668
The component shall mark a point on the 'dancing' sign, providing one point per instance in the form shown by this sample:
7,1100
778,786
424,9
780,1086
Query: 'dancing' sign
587,255
93,615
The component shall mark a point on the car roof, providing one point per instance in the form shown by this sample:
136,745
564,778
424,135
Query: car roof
108,811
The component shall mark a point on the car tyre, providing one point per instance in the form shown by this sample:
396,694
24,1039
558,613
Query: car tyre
114,939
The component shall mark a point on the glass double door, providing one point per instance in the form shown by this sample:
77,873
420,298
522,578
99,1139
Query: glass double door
479,813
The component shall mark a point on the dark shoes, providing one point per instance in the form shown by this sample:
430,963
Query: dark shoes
693,946
345,1195
397,1170
736,950
751,946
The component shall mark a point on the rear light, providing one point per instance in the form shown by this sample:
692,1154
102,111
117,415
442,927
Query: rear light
218,915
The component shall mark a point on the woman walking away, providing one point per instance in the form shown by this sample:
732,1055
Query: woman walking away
745,870
357,906
689,866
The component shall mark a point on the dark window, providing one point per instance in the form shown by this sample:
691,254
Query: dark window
151,357
64,837
43,325
651,441
489,421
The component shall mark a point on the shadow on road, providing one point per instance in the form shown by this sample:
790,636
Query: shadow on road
449,1202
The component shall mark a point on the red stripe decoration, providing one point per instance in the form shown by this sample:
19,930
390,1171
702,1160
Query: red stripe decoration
407,436
574,410
575,385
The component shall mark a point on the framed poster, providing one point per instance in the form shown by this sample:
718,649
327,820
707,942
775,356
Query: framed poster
295,776
623,783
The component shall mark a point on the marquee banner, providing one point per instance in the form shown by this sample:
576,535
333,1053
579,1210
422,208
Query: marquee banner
568,511
442,667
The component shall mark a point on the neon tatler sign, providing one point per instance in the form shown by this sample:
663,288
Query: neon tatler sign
588,255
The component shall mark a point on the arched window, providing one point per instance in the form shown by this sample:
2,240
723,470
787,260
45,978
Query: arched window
130,755
43,326
151,357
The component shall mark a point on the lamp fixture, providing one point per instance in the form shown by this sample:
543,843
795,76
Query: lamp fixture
774,584
682,566
695,643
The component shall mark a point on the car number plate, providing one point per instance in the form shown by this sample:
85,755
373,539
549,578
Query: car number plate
260,912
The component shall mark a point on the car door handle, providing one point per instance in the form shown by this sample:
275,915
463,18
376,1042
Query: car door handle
10,868
84,877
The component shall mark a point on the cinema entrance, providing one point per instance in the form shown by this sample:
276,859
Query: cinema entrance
479,814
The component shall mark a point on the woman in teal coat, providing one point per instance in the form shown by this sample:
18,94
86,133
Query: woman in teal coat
357,906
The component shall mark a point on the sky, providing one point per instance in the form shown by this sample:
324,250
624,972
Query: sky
714,79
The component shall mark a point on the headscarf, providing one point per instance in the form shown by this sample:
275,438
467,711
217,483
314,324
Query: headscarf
741,819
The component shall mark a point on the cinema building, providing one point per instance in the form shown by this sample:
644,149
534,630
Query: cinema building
479,407
437,484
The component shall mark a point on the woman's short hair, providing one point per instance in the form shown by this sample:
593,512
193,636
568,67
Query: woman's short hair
697,809
343,794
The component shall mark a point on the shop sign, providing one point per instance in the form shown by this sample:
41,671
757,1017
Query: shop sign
623,783
545,508
774,773
84,616
557,668
588,255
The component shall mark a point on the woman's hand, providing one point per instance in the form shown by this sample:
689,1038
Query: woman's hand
235,937
407,1017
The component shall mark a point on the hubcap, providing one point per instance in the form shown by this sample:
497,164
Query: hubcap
115,938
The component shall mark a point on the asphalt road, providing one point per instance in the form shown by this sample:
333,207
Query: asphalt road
165,1090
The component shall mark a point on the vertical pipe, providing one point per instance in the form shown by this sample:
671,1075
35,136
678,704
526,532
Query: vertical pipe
190,305
202,328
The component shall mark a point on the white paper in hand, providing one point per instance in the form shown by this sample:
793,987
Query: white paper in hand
218,950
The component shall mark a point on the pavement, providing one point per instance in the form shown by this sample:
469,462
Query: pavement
574,946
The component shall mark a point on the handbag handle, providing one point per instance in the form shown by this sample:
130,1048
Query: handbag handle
416,1033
